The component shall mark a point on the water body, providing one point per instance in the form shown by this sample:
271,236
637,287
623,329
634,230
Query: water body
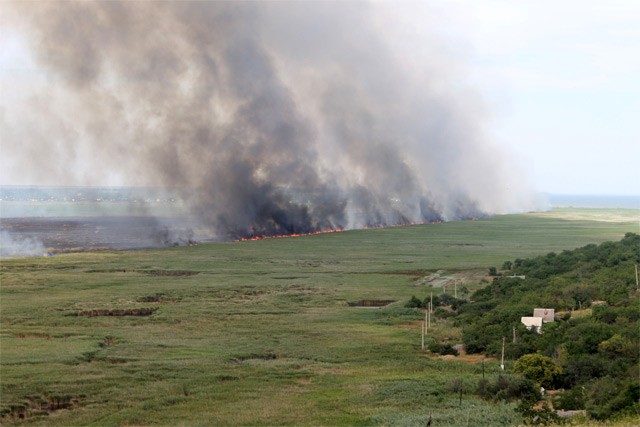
594,201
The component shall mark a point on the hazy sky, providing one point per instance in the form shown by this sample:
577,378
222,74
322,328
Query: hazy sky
560,80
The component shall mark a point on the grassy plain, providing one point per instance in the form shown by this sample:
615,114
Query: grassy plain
259,333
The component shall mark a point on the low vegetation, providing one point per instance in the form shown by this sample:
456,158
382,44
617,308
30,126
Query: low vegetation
262,333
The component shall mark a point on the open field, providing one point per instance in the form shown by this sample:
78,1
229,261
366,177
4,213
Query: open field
258,332
590,214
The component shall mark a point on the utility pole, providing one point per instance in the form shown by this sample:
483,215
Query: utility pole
502,360
426,319
430,308
455,289
424,325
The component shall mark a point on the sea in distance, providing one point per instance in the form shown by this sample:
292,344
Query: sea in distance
46,220
592,201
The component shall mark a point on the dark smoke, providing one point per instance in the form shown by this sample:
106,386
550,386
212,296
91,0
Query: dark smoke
266,117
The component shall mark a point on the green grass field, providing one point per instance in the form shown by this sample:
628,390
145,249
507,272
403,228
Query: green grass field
260,333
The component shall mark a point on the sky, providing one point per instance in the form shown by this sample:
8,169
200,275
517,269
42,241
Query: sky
560,82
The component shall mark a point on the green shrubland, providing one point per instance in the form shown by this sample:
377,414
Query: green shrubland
593,356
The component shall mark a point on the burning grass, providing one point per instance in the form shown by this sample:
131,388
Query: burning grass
284,236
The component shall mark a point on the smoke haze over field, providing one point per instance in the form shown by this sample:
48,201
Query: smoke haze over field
266,118
11,247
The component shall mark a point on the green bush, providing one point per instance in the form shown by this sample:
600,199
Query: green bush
442,349
414,303
441,313
508,388
536,367
573,399
435,299
608,396
538,415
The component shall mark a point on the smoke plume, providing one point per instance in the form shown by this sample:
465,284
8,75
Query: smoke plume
265,117
12,247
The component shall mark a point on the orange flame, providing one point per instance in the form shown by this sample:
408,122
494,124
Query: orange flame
334,230
284,236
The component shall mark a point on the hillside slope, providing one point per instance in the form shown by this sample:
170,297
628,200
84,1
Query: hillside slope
595,339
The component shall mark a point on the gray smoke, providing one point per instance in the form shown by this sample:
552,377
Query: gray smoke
265,117
19,247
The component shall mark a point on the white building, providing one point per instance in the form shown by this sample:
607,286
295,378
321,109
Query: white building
532,322
547,314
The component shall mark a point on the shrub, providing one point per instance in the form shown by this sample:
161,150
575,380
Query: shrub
565,316
456,386
441,313
442,349
608,396
448,349
538,415
483,389
452,301
427,300
414,303
536,367
508,388
572,399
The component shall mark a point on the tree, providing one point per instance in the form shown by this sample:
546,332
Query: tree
507,265
414,303
493,271
536,367
618,346
586,336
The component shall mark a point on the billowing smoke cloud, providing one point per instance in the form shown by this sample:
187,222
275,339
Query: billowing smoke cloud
266,118
16,247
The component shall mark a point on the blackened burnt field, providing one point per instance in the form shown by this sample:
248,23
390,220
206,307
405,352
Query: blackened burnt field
262,332
74,234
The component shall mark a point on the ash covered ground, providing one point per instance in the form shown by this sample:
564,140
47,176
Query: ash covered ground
35,236
36,221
